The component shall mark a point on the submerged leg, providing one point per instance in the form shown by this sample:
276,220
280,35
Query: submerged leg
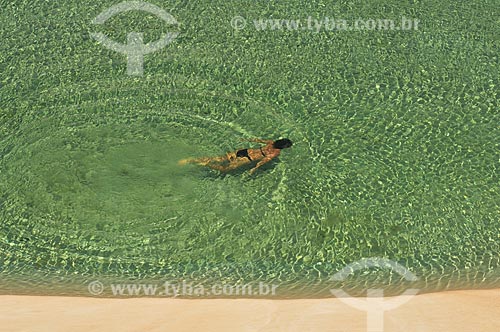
224,163
228,167
205,161
200,161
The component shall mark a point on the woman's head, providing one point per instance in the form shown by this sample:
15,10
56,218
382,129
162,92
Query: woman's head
282,143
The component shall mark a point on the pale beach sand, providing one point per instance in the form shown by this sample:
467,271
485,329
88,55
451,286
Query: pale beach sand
468,310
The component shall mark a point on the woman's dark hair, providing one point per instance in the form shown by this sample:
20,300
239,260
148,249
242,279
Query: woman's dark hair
282,143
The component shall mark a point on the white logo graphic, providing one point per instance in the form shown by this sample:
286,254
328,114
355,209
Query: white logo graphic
374,305
135,49
95,287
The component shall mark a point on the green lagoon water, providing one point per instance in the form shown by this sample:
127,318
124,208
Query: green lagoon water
396,148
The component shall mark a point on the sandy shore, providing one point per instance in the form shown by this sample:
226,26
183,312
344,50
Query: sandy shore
473,310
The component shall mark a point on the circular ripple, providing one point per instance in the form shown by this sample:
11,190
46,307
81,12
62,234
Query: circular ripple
95,187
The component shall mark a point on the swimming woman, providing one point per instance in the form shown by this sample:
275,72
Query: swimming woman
233,160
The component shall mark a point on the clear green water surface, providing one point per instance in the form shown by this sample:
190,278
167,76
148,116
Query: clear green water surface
396,148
